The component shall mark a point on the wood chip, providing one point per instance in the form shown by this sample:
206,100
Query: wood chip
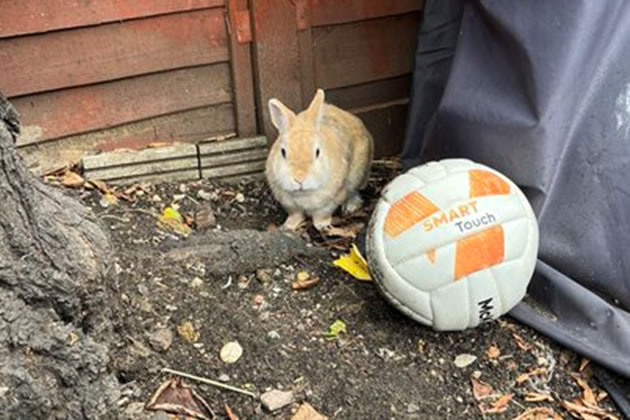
230,414
307,412
538,413
538,397
481,390
493,352
523,377
521,343
499,406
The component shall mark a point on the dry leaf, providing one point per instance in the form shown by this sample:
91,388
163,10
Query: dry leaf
307,412
230,414
493,352
521,343
587,393
538,413
72,180
499,406
350,231
305,283
175,397
534,372
579,410
480,390
187,331
583,364
538,397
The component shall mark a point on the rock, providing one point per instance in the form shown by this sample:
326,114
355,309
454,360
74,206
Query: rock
276,399
464,359
205,218
231,352
196,283
224,377
134,411
412,408
161,339
307,412
264,276
160,415
239,197
273,335
204,195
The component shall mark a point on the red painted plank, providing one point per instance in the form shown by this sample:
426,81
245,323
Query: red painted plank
331,12
113,51
72,111
362,52
34,16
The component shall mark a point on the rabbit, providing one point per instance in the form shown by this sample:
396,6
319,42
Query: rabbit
320,160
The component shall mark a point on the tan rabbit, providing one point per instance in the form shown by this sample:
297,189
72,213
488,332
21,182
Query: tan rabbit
320,161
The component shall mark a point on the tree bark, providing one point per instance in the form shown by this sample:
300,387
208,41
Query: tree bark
53,323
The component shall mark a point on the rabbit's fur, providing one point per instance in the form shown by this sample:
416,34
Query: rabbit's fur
320,161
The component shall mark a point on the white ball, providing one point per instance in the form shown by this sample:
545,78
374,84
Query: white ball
452,244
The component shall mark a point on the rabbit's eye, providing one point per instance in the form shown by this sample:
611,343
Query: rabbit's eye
317,153
284,153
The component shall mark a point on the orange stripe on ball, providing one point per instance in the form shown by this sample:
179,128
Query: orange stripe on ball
481,250
406,212
486,183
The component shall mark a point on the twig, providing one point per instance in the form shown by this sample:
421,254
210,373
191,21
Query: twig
210,382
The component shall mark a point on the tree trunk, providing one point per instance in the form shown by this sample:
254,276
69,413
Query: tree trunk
53,319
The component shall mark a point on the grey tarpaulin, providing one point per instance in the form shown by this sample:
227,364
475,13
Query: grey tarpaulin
540,90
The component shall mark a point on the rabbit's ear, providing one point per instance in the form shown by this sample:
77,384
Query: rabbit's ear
316,108
281,116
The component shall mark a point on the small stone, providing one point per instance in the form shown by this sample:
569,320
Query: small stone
273,335
302,276
463,360
161,339
179,197
276,399
134,410
160,415
183,188
412,408
196,283
459,399
205,218
224,377
124,298
231,352
156,198
239,197
263,276
259,300
307,412
204,195
143,289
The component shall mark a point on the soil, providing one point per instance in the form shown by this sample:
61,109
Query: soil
384,367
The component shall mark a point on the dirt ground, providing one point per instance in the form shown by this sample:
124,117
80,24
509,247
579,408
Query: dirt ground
384,367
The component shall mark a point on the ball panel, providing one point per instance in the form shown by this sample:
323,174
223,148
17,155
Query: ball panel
450,306
400,187
436,268
518,233
429,172
486,302
447,191
403,295
453,166
479,251
512,278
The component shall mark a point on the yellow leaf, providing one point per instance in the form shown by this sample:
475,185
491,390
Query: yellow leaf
355,264
187,331
171,219
335,329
